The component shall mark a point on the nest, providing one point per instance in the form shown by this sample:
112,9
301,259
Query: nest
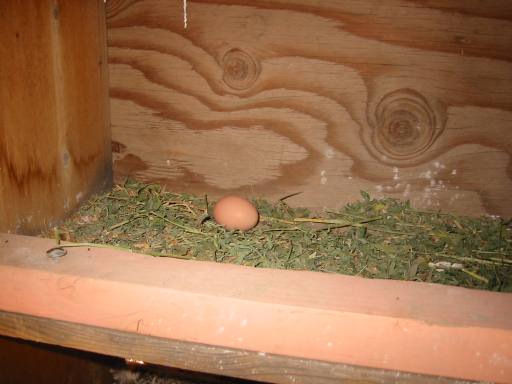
372,238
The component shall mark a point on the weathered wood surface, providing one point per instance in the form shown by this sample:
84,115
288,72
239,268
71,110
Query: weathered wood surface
263,324
200,357
54,124
403,98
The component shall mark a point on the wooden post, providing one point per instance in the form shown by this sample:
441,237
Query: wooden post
54,114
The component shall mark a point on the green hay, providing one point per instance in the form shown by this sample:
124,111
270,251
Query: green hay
373,238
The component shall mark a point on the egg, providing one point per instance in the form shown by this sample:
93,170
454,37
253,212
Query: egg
234,212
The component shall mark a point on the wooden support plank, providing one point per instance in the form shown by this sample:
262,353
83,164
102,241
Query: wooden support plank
402,98
199,357
54,115
316,325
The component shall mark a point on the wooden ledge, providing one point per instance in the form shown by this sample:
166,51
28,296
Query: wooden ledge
316,325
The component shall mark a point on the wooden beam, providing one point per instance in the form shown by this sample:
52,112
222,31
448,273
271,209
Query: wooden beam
54,114
253,323
403,98
198,357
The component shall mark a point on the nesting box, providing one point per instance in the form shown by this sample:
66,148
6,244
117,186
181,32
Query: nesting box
402,98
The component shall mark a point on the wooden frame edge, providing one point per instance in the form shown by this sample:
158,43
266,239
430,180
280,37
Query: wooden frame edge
342,321
199,357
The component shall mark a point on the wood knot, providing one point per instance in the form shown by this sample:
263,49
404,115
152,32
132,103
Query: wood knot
406,125
240,70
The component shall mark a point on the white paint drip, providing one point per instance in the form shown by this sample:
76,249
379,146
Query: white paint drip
185,21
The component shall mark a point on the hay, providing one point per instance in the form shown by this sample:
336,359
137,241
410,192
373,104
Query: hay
373,238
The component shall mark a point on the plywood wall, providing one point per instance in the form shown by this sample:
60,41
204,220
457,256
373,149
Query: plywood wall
403,98
54,124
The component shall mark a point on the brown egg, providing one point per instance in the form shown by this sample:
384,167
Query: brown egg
234,212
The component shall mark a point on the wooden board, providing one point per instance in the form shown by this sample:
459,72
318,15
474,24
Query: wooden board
404,98
271,325
200,357
54,114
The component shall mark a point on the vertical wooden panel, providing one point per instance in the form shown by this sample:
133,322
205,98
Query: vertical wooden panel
403,98
54,115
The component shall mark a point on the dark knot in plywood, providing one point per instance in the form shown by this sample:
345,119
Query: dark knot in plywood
240,70
406,125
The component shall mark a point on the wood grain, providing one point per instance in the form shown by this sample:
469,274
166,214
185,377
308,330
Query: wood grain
200,357
403,98
54,115
248,322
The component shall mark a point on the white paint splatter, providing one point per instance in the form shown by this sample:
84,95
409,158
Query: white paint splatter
168,162
454,171
220,329
407,190
243,323
323,178
379,188
395,173
329,153
329,344
79,196
426,175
